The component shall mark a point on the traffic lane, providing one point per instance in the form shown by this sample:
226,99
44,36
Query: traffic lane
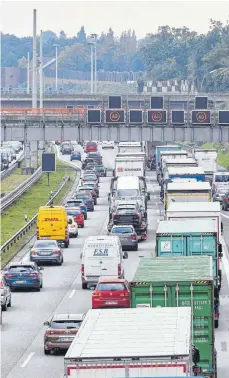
79,301
21,327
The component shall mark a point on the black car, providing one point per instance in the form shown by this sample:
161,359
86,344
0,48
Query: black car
66,150
87,199
87,162
225,201
96,156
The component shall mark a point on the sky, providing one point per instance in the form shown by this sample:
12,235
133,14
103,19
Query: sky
97,16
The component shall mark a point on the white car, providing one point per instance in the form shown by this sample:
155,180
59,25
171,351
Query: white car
108,144
72,227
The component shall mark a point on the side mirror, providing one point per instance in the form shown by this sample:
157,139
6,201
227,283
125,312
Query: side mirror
46,323
125,255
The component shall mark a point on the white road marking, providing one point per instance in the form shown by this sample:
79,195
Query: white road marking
224,258
158,211
71,294
27,359
223,215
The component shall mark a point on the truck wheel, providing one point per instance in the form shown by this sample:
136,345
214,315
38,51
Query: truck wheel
216,322
84,286
46,352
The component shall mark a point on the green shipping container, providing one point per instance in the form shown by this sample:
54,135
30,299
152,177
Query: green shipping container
181,281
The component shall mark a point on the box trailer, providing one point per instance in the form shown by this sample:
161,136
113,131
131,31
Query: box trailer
129,166
177,163
172,173
160,149
207,159
132,342
172,155
131,147
177,282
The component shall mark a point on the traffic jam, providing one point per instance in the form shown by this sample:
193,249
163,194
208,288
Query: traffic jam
162,321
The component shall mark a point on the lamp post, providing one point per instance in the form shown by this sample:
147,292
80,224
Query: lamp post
56,46
28,73
92,67
41,71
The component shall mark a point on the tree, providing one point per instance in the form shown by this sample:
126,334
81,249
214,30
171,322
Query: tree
62,35
81,35
47,35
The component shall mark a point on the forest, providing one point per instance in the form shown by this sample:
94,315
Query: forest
170,53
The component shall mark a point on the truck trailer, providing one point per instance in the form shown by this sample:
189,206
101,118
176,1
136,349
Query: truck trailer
132,342
176,282
129,166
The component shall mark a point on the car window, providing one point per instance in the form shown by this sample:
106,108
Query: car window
122,230
127,192
45,244
65,324
113,286
21,268
126,211
221,178
73,212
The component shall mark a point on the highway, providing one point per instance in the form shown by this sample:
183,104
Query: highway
22,328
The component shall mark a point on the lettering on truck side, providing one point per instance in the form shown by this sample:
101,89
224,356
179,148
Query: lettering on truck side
51,219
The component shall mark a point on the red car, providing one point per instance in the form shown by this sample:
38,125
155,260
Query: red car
91,147
111,293
77,214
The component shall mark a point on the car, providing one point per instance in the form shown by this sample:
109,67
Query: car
225,201
77,215
61,331
127,236
78,203
66,149
88,161
96,156
90,190
87,199
47,251
93,185
75,155
91,147
108,144
72,227
13,152
24,275
90,177
111,293
219,195
5,294
100,170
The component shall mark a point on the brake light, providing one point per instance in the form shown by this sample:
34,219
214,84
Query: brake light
52,332
119,269
34,275
124,294
137,215
82,269
8,275
58,251
96,294
33,252
133,237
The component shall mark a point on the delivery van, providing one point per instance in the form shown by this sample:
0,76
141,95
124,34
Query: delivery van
52,224
102,256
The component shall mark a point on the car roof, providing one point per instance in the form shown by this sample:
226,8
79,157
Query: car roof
123,225
73,208
68,317
111,280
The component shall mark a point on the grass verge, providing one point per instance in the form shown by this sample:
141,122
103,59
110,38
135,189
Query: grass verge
13,181
223,156
13,217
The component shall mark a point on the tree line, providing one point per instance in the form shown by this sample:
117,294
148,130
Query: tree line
170,53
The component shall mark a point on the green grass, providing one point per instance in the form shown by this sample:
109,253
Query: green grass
13,218
223,156
11,182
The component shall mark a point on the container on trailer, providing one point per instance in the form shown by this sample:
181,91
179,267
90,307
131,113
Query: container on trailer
207,159
177,282
168,148
187,192
191,237
141,342
131,147
184,172
129,166
175,155
167,162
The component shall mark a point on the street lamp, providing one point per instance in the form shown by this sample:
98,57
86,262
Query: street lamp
56,46
92,43
202,82
92,66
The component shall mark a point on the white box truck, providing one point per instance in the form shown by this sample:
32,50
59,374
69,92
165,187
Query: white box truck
129,166
207,159
133,342
131,147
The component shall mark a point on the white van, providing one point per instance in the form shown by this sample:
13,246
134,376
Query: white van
128,186
102,256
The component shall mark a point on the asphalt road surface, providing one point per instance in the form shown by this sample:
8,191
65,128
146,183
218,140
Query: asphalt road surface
22,328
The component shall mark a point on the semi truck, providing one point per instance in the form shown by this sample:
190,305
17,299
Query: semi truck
160,149
207,159
132,342
129,166
172,173
131,147
177,163
176,282
175,155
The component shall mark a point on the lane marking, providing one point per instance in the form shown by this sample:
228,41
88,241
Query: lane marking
71,294
224,258
223,215
158,211
27,359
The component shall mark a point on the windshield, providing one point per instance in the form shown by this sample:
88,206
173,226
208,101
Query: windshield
222,178
122,230
111,286
65,324
45,244
127,192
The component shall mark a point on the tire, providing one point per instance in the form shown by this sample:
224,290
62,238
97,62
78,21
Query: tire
76,235
216,323
60,262
136,248
38,288
95,202
46,352
82,226
85,217
4,307
66,244
9,304
41,286
84,286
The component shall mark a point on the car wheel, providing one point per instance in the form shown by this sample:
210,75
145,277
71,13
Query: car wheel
82,225
66,244
9,304
38,288
136,248
216,323
85,216
76,235
84,286
4,307
46,352
95,201
41,285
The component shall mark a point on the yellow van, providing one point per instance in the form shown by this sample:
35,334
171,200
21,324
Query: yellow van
52,223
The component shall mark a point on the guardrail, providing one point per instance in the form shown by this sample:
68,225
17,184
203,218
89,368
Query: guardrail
8,171
19,234
16,193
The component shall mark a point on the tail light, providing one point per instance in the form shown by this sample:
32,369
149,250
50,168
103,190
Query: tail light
116,215
34,275
33,252
119,270
133,237
227,199
57,251
96,294
82,269
136,215
124,294
8,275
52,332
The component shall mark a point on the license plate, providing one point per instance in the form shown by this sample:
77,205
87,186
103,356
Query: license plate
20,282
45,253
64,339
45,237
93,278
111,303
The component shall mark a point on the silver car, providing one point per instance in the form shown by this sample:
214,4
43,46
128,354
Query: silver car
5,294
127,236
47,251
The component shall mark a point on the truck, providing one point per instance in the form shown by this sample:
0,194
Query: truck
190,237
160,149
133,341
176,155
176,282
184,162
131,147
186,192
207,159
172,173
129,166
